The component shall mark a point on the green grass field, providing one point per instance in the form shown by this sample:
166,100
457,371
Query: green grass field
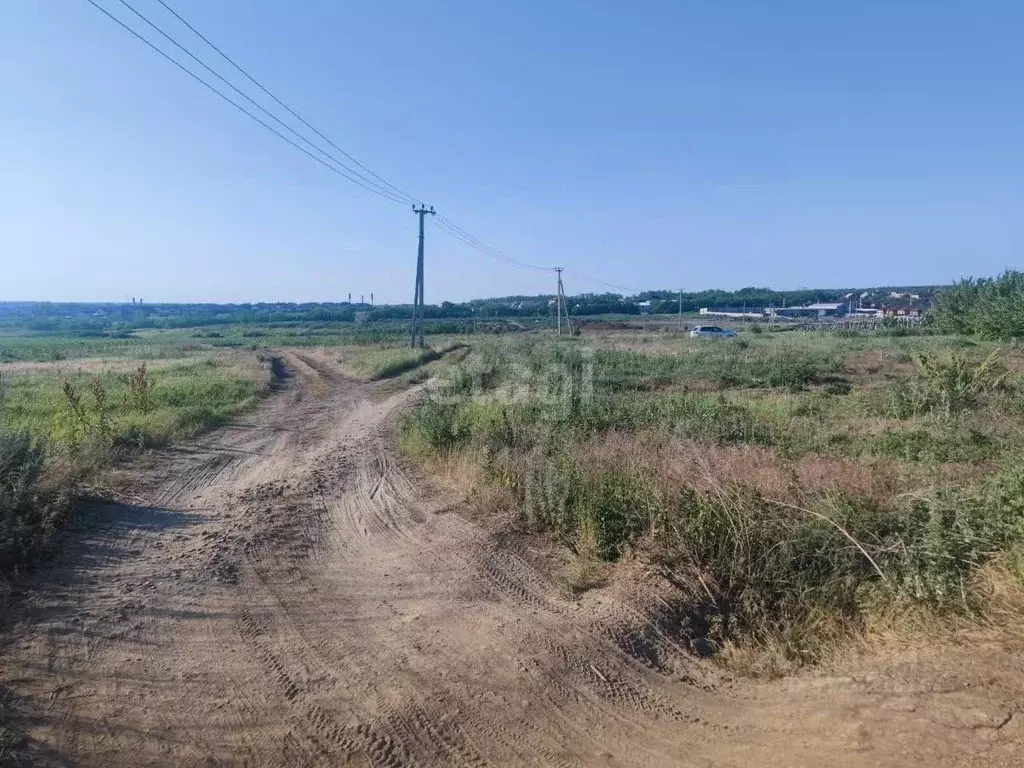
171,344
29,346
74,404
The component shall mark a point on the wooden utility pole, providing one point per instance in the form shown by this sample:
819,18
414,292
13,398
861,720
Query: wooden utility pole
417,304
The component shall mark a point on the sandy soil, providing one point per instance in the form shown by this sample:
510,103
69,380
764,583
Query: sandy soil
285,592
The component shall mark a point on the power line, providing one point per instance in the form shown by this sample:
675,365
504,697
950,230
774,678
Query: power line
447,225
462,235
377,184
485,249
239,107
252,101
397,190
613,286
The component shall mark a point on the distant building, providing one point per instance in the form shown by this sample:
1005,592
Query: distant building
903,308
820,309
644,307
749,313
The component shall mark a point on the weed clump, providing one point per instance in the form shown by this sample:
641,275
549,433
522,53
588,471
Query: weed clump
947,386
29,514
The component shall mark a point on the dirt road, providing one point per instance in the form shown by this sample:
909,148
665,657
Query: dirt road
285,592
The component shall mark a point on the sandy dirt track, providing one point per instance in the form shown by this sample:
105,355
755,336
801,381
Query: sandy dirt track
286,592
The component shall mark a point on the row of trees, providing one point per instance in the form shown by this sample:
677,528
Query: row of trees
992,308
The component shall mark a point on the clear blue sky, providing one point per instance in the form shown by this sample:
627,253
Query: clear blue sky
650,144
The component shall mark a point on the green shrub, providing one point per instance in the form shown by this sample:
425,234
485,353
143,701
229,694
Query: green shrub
837,388
140,388
609,509
947,386
756,568
748,566
952,532
441,425
991,308
945,443
753,567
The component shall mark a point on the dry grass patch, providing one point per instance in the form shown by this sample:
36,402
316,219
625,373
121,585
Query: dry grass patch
710,466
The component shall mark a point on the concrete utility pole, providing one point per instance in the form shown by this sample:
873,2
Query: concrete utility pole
680,310
560,305
417,303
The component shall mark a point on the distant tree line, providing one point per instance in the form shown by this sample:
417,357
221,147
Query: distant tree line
105,318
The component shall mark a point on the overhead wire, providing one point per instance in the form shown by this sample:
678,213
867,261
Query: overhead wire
238,106
365,179
466,238
397,190
625,289
455,235
255,103
461,234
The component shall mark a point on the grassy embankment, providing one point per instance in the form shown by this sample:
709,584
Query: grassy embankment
796,488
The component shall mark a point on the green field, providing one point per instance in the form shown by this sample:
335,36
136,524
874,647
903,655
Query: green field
144,344
183,343
129,404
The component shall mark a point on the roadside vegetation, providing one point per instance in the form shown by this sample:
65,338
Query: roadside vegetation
61,425
796,488
388,362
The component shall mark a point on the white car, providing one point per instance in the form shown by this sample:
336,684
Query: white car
711,332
